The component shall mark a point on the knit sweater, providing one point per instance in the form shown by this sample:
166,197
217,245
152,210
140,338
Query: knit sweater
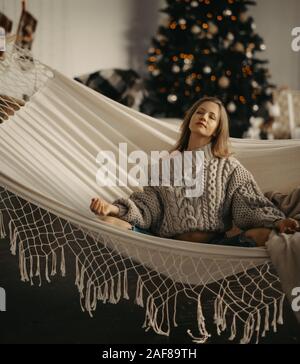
230,195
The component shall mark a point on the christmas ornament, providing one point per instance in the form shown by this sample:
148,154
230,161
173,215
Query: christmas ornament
263,47
186,67
230,36
196,29
231,107
274,110
239,47
255,129
224,82
226,43
207,69
212,28
172,99
176,69
227,12
244,17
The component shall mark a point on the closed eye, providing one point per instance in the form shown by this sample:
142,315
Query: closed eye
211,115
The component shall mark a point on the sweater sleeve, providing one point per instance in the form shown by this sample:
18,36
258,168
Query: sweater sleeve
141,209
250,208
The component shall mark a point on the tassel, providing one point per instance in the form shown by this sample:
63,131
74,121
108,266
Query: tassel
31,269
12,238
47,270
77,278
247,328
267,316
139,293
125,286
38,271
54,263
88,298
201,326
280,313
119,286
175,310
274,322
94,302
2,230
112,298
233,329
258,323
63,262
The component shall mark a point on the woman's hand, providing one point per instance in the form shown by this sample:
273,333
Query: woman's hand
103,208
287,226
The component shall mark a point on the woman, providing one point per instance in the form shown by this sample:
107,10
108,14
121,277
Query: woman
230,192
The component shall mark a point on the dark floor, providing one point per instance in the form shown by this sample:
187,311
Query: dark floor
52,314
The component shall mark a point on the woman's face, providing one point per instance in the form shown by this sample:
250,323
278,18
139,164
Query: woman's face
206,119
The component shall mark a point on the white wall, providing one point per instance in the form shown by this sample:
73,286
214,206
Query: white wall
81,36
275,20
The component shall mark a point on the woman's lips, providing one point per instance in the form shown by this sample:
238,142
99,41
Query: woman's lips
201,124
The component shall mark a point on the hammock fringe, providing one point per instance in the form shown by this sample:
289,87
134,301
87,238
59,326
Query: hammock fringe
158,310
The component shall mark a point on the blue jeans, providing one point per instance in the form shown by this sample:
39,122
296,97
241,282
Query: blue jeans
238,240
141,231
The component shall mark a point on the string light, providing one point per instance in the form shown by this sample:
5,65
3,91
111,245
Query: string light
242,99
172,98
227,12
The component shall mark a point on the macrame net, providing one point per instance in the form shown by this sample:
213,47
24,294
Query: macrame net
240,295
21,77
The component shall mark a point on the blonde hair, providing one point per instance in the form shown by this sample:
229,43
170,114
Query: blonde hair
220,142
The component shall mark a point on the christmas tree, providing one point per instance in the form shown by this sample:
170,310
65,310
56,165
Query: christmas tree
208,47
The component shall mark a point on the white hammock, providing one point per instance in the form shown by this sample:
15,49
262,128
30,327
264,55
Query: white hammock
48,171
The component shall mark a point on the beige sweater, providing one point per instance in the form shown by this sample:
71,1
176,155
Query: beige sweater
230,195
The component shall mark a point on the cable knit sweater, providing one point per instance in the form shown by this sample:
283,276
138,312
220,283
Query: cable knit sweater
230,195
